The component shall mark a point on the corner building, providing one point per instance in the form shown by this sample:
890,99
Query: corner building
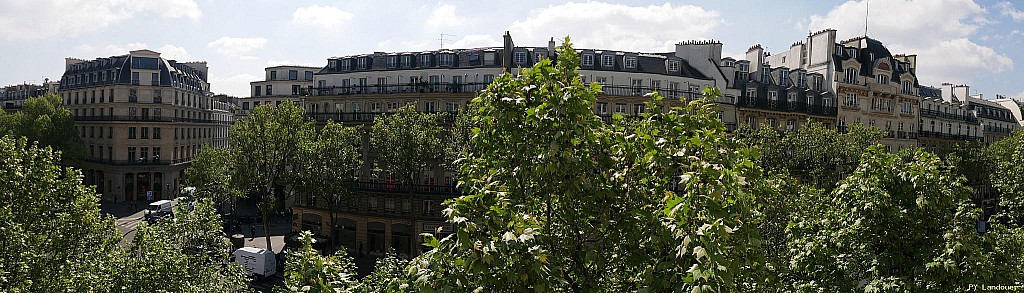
358,88
142,119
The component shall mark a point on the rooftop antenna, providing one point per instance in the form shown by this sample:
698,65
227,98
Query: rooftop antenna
441,38
867,9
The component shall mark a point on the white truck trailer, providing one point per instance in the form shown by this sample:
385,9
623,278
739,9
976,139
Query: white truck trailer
257,262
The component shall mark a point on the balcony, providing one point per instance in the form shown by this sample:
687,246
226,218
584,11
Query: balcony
399,88
982,114
994,129
148,119
786,106
925,113
446,190
366,117
155,162
949,136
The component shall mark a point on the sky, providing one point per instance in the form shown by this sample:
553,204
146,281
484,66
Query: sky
978,43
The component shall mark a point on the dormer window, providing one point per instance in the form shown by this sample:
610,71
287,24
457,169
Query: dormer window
631,62
425,60
784,77
447,59
587,60
519,58
407,61
392,61
538,56
766,76
853,52
607,61
363,62
673,66
851,76
346,64
801,79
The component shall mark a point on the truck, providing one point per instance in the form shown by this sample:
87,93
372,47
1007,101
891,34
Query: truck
257,262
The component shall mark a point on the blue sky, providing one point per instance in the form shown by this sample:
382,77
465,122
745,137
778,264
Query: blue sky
959,41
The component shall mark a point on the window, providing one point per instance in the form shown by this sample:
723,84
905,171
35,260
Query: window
620,108
639,109
363,62
851,76
587,60
850,100
607,60
245,105
773,95
538,56
751,93
145,133
601,80
429,106
425,61
156,132
154,79
752,121
452,106
882,79
907,86
601,108
488,78
273,75
766,75
771,123
131,154
308,75
392,61
790,125
270,90
519,57
630,62
110,132
784,77
158,97
256,92
447,59
135,77
131,132
295,89
293,75
673,66
375,107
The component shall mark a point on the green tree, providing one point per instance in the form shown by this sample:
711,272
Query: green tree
897,223
328,164
308,271
53,236
406,143
44,119
185,253
558,200
211,175
389,275
266,146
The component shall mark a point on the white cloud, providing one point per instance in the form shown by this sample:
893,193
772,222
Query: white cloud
173,52
475,41
404,46
444,16
326,17
40,19
235,85
1012,12
237,47
615,26
116,49
938,31
273,62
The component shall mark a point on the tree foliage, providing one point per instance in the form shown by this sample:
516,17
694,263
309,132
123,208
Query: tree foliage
53,236
897,223
555,195
308,271
406,142
266,146
56,240
185,253
44,119
211,175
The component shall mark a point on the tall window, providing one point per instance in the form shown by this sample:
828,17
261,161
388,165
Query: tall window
131,132
851,76
270,90
882,79
154,79
447,59
293,75
135,77
607,60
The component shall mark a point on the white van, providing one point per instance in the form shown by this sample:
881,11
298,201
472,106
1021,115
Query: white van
257,262
157,210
